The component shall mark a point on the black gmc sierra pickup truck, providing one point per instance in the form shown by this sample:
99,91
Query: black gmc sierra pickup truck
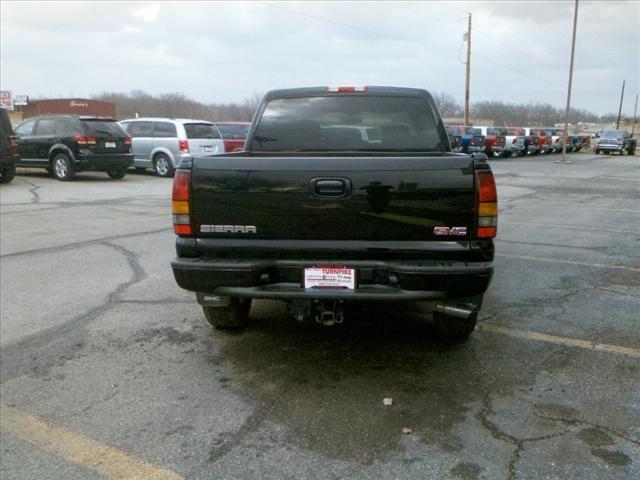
341,195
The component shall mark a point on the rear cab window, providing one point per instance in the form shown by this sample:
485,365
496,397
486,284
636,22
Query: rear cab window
343,122
201,131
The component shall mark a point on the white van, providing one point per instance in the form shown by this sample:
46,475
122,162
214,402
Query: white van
160,143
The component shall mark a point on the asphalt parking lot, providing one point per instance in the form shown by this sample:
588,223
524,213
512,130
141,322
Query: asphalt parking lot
108,369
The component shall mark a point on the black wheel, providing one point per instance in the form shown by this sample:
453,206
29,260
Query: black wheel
8,172
62,167
162,165
632,150
454,328
596,151
118,174
235,315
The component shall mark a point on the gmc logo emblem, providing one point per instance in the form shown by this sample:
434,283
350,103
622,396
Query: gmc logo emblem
458,231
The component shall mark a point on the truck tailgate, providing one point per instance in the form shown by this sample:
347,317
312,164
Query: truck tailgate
375,198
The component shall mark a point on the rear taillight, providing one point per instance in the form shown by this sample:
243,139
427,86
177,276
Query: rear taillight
487,213
180,203
183,145
127,140
514,141
346,89
85,139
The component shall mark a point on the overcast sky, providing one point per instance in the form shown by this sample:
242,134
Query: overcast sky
227,51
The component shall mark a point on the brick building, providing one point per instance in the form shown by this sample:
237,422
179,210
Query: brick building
74,106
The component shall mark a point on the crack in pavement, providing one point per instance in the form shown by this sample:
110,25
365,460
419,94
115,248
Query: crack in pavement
57,345
32,191
250,425
498,434
84,243
576,422
147,201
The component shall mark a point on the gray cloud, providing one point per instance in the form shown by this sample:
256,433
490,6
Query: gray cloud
225,51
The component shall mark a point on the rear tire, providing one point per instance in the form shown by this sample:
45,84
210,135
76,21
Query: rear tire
8,173
118,174
162,166
62,168
454,328
234,316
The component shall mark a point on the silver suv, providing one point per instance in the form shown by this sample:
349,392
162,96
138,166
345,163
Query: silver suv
161,143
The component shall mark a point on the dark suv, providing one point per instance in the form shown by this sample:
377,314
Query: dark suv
66,144
8,150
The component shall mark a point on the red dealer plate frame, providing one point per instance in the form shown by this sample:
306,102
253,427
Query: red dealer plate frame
330,277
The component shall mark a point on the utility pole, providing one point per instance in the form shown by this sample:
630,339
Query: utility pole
466,87
566,117
620,109
635,109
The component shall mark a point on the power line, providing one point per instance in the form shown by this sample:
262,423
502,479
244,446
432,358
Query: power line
526,74
360,29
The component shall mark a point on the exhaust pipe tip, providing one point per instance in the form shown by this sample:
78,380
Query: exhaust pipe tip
457,310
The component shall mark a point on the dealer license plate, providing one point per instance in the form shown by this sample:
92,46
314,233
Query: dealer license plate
109,144
330,277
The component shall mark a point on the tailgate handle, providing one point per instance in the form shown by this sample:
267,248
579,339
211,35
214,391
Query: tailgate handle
331,187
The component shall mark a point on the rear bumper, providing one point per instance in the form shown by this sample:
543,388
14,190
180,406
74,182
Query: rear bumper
104,162
613,148
378,280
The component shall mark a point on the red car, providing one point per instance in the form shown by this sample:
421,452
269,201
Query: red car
233,135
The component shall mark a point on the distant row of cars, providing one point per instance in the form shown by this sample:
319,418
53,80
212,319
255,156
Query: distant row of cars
519,141
67,144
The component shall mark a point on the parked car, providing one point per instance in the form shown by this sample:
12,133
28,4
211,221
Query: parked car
543,139
233,134
160,143
531,141
514,141
470,138
556,139
8,148
68,144
494,141
616,141
284,219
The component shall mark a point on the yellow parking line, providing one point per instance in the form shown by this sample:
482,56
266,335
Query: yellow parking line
96,456
569,262
571,227
571,342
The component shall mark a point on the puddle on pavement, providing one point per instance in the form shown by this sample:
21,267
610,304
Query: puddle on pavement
327,384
